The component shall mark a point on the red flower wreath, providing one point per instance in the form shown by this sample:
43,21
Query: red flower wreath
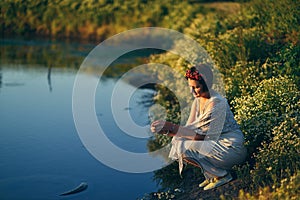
193,75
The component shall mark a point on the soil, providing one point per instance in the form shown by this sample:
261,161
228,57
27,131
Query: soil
191,191
229,191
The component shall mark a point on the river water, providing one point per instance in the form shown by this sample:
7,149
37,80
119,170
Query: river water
40,151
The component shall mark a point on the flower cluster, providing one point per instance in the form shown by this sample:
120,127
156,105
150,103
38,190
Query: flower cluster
193,75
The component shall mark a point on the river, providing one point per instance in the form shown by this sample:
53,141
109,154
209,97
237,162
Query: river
40,150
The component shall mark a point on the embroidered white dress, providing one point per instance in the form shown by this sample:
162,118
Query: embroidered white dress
225,146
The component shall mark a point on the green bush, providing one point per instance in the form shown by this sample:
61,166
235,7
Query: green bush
288,190
89,19
269,118
244,77
278,19
279,158
274,101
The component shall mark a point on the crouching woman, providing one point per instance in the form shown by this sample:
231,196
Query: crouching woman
211,138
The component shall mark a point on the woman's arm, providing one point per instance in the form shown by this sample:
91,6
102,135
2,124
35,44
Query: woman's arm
213,121
170,129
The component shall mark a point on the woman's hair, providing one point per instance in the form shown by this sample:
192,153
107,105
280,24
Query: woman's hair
201,73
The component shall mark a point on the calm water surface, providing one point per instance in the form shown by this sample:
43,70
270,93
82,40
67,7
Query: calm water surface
40,151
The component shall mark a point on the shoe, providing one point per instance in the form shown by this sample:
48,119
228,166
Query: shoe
204,183
218,182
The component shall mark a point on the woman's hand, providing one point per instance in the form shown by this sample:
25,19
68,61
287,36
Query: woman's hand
163,127
158,126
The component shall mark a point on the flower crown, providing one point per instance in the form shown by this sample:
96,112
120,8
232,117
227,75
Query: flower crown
195,75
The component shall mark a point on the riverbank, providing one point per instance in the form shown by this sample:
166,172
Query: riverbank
97,20
190,190
90,20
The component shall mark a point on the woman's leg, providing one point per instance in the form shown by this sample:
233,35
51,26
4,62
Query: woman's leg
209,170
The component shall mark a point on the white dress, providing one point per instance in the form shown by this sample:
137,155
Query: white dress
222,150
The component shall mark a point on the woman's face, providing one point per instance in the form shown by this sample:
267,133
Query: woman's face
196,88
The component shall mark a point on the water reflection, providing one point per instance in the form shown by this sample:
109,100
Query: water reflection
39,146
49,78
37,53
0,77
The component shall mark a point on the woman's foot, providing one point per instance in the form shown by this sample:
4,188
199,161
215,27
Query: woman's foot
218,182
204,183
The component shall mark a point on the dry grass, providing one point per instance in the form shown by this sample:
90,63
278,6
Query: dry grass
228,7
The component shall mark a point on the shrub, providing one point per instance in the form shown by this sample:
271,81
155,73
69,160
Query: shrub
279,158
288,190
274,101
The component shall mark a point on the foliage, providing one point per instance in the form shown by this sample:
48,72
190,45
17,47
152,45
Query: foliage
243,78
278,20
279,158
168,99
90,19
246,36
288,189
274,101
261,75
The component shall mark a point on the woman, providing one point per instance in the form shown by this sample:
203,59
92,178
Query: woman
211,139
